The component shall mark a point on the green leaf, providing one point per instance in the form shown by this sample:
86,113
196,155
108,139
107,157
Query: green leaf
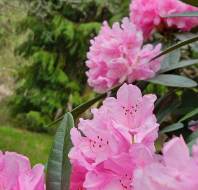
189,115
173,81
83,107
174,47
184,36
185,14
171,59
191,143
58,168
192,139
186,105
192,136
162,114
178,65
165,100
171,128
191,2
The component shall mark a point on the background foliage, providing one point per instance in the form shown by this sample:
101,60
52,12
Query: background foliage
58,38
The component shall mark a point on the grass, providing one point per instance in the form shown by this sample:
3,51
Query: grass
33,145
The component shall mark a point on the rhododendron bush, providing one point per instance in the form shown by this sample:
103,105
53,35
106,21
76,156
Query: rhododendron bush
133,137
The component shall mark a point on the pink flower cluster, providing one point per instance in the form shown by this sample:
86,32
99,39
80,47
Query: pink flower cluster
115,149
16,173
148,15
117,54
119,139
176,170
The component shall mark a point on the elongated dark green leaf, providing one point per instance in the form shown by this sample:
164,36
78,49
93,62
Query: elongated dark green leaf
192,136
191,2
58,168
191,143
186,14
178,65
174,47
192,139
189,115
162,114
165,100
173,81
83,107
171,59
173,127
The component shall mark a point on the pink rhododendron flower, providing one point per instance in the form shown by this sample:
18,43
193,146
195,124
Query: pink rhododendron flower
132,114
169,7
77,177
117,172
144,15
117,140
148,15
116,55
16,173
178,170
115,149
97,145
